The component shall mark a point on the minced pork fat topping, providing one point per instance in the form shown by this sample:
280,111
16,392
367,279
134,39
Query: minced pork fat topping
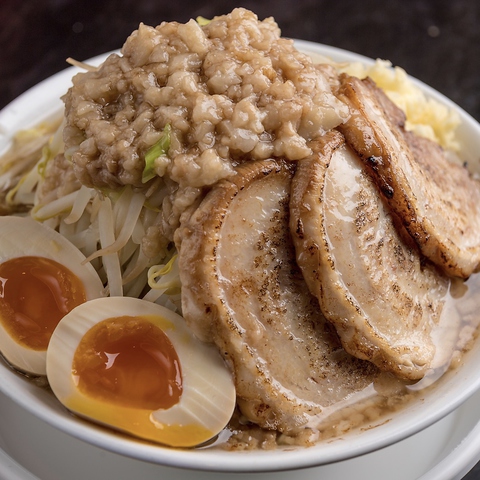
230,90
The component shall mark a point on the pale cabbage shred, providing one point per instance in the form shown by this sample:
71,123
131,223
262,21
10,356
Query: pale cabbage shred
108,226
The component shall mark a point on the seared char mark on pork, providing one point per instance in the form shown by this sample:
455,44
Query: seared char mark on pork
371,284
436,199
243,290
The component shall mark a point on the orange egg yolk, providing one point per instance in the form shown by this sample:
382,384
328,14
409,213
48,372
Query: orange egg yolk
130,362
35,294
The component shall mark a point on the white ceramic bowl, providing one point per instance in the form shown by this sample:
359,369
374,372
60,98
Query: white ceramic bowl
447,450
454,389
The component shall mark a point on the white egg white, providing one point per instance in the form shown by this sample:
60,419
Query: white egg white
23,236
205,405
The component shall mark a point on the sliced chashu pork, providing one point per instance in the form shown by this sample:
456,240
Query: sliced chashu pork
384,303
437,200
242,289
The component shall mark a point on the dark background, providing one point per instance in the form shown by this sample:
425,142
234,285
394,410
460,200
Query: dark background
437,41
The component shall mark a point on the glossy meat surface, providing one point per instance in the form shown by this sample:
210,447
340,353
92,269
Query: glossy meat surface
437,200
384,302
242,289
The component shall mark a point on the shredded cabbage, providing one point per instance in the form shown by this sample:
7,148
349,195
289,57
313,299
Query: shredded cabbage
202,21
159,149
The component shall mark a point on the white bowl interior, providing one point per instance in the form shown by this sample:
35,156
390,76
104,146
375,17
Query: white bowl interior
456,387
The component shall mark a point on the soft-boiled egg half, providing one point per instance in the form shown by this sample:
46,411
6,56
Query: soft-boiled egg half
42,277
135,366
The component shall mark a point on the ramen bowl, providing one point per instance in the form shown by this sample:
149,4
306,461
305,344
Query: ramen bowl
429,404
